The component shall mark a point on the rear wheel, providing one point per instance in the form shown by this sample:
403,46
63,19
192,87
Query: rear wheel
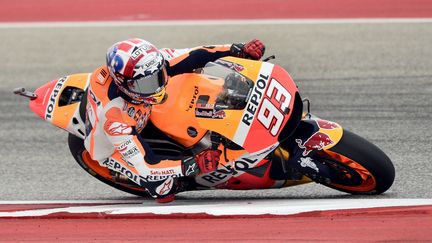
357,166
82,157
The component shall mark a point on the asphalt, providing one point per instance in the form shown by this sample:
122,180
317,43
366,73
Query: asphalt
373,79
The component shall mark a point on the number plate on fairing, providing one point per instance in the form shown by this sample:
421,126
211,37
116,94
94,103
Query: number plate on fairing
268,109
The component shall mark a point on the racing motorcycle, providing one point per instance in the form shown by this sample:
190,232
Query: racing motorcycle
250,110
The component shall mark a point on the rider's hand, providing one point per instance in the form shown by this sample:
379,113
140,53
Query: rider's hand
190,167
205,162
208,160
254,49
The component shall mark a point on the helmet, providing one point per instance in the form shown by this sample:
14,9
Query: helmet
139,70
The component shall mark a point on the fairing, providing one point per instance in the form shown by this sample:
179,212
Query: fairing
58,102
259,108
247,102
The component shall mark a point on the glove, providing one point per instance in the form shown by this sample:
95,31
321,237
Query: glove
205,162
208,160
190,167
254,49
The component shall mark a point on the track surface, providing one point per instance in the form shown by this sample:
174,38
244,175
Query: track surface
372,78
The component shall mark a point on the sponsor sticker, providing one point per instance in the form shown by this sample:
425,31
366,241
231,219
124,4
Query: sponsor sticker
308,162
317,141
131,111
130,153
194,98
165,187
327,124
254,100
118,167
210,113
234,168
163,172
191,169
53,97
118,128
140,50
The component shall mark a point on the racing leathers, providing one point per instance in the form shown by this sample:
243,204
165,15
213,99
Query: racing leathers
114,124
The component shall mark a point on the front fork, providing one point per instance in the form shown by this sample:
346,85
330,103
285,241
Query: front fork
311,136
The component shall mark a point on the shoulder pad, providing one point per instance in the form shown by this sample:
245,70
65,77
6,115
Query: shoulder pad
101,75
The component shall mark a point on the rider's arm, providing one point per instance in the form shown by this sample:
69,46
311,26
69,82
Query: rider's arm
196,58
199,56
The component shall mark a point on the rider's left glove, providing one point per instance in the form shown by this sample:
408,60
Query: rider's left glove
253,49
208,160
204,162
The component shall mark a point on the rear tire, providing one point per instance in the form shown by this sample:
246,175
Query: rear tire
76,146
363,168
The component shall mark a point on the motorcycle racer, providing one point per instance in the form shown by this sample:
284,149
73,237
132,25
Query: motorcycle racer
120,98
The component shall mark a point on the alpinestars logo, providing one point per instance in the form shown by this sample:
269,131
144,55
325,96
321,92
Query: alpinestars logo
117,128
166,187
190,170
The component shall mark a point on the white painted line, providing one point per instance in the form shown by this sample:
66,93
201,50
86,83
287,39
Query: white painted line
16,202
225,207
150,23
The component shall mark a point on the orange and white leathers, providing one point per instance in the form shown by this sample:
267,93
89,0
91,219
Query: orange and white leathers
114,125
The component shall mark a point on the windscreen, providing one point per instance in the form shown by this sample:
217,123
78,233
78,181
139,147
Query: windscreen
235,90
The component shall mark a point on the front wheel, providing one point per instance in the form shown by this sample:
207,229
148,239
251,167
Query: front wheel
358,166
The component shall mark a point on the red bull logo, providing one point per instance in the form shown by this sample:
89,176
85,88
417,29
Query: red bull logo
317,141
220,114
327,124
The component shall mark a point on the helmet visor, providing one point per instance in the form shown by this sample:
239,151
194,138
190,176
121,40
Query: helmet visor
148,85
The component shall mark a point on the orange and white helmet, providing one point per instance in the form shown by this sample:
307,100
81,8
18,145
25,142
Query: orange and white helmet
139,70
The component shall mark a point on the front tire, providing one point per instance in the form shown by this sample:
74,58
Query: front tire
359,166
